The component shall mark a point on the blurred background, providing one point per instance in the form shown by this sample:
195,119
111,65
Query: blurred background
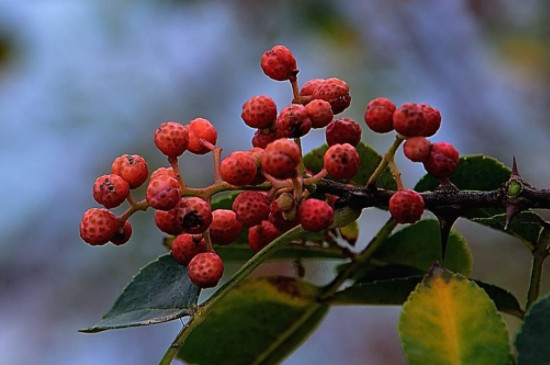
82,82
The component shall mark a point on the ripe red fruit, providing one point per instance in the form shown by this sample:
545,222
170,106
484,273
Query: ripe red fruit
251,207
319,112
336,92
259,112
238,169
343,130
167,221
194,215
186,246
417,149
172,138
163,192
341,161
279,64
315,215
309,87
123,234
261,235
131,168
281,158
98,226
110,190
200,128
379,115
205,269
433,120
442,161
225,227
406,206
409,120
263,137
162,171
277,217
293,122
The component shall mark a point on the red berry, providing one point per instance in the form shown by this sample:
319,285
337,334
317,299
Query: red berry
309,87
409,120
293,122
238,169
379,115
162,171
341,161
433,120
442,161
167,221
406,206
277,217
259,112
315,215
205,269
343,130
336,92
225,227
261,235
123,234
279,64
98,226
319,112
417,149
110,190
201,129
194,215
263,137
186,246
131,168
281,158
172,138
251,207
163,192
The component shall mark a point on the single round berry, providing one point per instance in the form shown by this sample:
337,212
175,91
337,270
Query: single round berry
409,120
259,112
251,207
263,137
343,130
417,149
225,227
261,235
442,161
285,202
238,169
406,206
167,221
201,129
194,215
279,64
277,217
293,122
163,192
315,215
162,171
309,87
205,270
110,190
281,158
172,138
131,168
379,115
98,226
123,234
186,246
433,120
336,92
319,112
341,161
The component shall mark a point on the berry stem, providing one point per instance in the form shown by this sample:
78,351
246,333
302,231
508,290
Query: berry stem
316,178
301,167
217,151
173,161
395,173
131,200
387,157
295,90
298,188
141,205
208,241
207,144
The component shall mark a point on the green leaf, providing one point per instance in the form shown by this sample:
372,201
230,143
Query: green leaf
533,339
260,321
242,252
448,319
525,226
160,292
224,201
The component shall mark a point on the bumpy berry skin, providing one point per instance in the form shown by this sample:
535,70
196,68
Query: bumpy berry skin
343,130
336,92
263,137
186,246
406,206
281,159
162,171
341,161
315,215
319,112
379,115
98,226
131,168
238,169
123,234
417,149
259,112
200,128
433,120
260,235
194,215
110,190
251,207
225,227
172,138
309,87
293,122
409,120
442,161
167,221
279,64
205,270
163,192
276,216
